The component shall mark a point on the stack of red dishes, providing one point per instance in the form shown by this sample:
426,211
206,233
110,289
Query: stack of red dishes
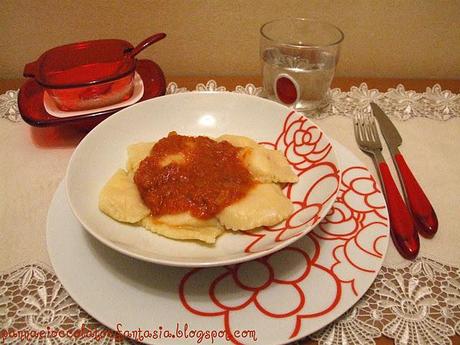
83,83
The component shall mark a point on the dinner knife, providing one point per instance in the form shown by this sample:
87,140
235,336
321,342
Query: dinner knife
418,203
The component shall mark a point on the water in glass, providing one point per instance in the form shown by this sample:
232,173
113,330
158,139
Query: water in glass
311,70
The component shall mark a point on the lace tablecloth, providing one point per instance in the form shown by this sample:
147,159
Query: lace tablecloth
412,302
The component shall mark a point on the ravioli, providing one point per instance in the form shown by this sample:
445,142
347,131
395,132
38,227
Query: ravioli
238,140
136,153
120,199
263,205
206,233
265,165
186,219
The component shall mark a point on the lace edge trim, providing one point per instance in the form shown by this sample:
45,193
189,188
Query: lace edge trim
435,103
408,263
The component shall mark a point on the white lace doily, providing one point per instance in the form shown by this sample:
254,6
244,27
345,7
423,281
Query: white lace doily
417,303
434,103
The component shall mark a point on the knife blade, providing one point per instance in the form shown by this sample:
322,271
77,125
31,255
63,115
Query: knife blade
419,205
388,129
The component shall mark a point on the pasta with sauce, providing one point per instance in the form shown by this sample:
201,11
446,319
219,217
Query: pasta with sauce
196,188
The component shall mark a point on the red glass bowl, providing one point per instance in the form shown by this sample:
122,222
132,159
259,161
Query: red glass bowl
32,108
88,75
93,96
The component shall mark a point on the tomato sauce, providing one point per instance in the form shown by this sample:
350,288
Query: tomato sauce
192,174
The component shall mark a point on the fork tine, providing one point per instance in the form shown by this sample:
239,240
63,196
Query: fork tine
367,127
362,127
375,132
373,129
366,133
356,127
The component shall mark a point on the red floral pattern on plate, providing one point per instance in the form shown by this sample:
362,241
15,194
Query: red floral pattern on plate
325,271
311,156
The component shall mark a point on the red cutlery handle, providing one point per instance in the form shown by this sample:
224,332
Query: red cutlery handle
417,201
402,227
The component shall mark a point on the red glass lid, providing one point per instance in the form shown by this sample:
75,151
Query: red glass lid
83,63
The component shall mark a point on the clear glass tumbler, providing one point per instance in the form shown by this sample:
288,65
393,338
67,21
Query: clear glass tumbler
299,57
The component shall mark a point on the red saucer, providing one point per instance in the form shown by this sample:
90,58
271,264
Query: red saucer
32,109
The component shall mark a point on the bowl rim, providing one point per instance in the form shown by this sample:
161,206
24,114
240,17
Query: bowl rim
172,261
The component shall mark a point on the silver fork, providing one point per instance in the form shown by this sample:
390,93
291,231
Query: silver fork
402,227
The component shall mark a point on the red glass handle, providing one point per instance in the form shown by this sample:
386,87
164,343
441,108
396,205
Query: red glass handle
145,43
30,70
402,227
417,201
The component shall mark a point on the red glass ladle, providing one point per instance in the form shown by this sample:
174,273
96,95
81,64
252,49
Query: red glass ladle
132,52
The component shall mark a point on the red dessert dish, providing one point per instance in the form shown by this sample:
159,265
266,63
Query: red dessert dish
88,75
32,108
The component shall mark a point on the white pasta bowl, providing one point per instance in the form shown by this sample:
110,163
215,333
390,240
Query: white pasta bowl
103,151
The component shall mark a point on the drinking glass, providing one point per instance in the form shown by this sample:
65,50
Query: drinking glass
299,57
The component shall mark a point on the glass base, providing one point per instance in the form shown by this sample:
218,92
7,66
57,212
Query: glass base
307,107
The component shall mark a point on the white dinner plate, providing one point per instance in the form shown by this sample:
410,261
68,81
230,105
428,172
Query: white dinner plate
281,297
103,151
